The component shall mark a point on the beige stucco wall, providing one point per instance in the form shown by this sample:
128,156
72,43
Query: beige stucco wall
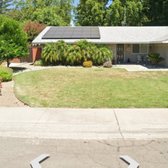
113,48
162,49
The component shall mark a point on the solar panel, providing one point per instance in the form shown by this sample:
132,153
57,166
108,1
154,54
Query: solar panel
85,32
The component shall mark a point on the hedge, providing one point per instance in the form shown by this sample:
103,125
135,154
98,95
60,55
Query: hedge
61,53
5,73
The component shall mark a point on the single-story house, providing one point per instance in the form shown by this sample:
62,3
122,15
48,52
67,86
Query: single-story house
129,44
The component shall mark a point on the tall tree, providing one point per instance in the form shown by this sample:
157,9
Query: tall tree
50,12
122,12
115,14
13,40
156,11
4,5
49,16
134,13
90,13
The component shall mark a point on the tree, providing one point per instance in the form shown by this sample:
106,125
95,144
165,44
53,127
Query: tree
50,12
120,12
129,13
90,13
115,13
33,29
156,11
13,40
4,5
49,17
134,13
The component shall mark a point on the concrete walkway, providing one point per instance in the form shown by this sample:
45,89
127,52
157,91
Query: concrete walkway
131,68
8,98
84,123
136,68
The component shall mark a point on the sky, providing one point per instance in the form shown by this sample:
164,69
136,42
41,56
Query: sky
76,2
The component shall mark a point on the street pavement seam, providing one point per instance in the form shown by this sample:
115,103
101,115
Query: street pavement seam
119,129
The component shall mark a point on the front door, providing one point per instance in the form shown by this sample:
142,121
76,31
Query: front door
120,53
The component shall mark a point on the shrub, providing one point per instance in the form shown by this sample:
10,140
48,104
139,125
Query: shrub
39,63
155,58
5,73
55,53
101,55
33,29
87,49
87,64
75,54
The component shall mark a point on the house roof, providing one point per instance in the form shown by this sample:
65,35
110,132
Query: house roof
66,32
113,35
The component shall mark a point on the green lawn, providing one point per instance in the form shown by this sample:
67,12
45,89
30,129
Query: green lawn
92,88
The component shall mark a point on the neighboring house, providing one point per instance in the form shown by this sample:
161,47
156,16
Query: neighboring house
129,44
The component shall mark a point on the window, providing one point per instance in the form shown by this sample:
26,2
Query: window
135,48
144,48
140,48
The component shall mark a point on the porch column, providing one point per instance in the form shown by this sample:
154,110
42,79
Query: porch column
36,53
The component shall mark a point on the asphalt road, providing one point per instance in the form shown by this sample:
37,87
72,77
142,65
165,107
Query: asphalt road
17,153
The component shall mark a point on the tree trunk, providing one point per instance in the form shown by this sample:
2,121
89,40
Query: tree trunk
8,62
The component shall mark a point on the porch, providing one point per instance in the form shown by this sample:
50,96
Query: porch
130,53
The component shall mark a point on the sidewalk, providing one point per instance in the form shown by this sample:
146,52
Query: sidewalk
25,122
8,98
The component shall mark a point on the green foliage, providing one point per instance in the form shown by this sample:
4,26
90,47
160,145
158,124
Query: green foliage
120,12
87,64
156,12
5,73
48,16
39,63
75,54
4,5
13,40
125,13
155,58
50,12
50,54
55,53
101,55
134,13
85,49
90,12
115,13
